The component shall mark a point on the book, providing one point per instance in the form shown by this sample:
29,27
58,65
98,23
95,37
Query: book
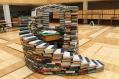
26,35
28,39
99,66
83,71
24,28
65,64
91,63
47,55
56,61
24,32
58,53
92,66
40,48
50,49
76,60
35,42
70,72
66,56
84,62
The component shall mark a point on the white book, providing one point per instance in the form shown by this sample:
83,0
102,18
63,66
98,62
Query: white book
24,35
42,45
27,38
49,49
84,62
33,42
76,58
73,42
70,72
99,65
65,38
66,55
24,31
57,51
40,48
49,31
67,21
91,63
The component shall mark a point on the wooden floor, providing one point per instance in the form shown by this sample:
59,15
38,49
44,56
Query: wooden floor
98,42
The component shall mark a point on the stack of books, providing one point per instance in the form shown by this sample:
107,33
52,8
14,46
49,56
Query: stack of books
71,23
73,43
99,65
66,37
66,45
68,22
62,19
74,20
50,49
28,39
40,48
33,65
92,66
25,35
84,65
45,58
66,61
76,60
84,62
57,56
58,53
45,19
33,44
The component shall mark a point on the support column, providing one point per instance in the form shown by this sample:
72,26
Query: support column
85,7
7,16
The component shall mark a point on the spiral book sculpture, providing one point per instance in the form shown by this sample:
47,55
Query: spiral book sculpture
55,50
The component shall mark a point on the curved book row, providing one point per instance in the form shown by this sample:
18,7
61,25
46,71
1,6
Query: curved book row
44,58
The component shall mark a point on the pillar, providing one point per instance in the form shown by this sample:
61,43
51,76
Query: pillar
7,16
85,7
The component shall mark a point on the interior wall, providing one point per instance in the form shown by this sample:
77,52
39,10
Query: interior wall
1,12
21,2
114,4
103,5
17,10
